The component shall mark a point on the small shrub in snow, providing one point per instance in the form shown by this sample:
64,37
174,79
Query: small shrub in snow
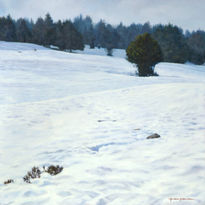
9,181
33,174
53,170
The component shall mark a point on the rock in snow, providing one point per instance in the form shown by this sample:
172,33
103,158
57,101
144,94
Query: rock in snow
153,136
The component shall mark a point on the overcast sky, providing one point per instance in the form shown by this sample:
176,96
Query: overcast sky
188,14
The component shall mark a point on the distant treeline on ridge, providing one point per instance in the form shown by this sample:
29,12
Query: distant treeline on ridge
177,46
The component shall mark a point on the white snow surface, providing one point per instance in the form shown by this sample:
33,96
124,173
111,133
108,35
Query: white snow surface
91,115
102,52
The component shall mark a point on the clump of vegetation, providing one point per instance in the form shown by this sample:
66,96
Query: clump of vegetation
53,170
36,172
145,52
9,181
33,174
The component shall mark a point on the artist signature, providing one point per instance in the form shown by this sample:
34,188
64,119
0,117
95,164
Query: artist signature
180,199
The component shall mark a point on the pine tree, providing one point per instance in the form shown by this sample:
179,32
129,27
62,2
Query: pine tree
50,30
23,32
196,43
145,52
172,42
85,27
7,29
67,37
39,32
59,42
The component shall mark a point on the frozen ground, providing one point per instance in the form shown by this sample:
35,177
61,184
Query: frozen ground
89,114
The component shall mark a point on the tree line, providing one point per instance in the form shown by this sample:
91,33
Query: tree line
46,32
176,45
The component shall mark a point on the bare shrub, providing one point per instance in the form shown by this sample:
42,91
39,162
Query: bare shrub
36,172
9,181
33,174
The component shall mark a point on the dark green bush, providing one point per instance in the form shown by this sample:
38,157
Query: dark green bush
145,52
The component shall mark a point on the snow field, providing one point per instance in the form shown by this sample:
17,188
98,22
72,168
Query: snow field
89,114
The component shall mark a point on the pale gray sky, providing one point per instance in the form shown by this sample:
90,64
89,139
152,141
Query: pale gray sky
188,14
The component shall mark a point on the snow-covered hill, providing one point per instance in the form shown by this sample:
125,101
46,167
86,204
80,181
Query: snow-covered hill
91,115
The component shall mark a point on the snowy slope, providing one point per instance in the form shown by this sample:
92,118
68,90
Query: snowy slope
89,114
102,52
